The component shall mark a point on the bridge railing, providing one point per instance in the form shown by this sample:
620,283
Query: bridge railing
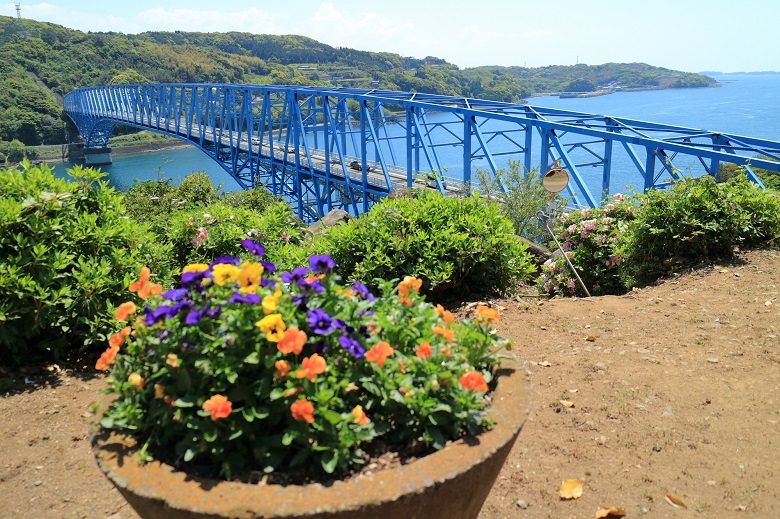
342,147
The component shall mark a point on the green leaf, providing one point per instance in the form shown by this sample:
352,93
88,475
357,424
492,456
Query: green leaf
329,461
189,454
252,358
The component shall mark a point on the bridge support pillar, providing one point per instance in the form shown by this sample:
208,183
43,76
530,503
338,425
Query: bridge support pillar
97,156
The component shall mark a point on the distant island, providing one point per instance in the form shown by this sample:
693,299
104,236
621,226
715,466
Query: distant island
42,61
761,72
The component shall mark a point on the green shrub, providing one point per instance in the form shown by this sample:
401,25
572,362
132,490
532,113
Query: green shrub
67,253
449,243
203,234
694,221
522,198
151,199
258,199
588,237
197,190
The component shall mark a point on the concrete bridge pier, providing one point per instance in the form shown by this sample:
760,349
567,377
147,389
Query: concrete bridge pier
97,156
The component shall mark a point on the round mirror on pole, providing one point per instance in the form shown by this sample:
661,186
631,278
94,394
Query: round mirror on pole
555,180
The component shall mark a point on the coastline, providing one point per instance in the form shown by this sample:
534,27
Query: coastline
133,149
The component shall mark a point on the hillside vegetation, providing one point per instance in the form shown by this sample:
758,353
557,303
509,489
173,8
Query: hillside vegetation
52,60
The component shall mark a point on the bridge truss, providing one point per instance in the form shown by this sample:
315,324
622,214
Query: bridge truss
324,148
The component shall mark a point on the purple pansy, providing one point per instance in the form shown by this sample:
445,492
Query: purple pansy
255,249
320,322
238,297
321,264
176,294
362,290
352,346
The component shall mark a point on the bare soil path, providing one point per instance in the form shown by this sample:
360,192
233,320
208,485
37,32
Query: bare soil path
670,390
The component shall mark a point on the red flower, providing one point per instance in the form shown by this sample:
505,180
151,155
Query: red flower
473,380
219,407
292,342
379,352
302,410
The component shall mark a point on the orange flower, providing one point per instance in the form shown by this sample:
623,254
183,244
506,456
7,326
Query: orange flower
106,358
359,415
446,353
172,360
282,369
405,301
218,406
485,314
159,391
125,310
379,352
302,410
311,367
446,315
292,342
423,351
473,380
143,287
136,380
409,284
444,332
116,339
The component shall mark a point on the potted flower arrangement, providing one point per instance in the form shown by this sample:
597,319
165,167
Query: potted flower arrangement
242,373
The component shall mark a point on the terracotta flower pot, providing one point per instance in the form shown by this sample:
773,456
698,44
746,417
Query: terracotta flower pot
451,483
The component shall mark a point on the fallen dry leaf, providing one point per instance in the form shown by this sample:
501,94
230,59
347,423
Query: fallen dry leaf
590,338
566,403
570,489
610,513
674,501
545,364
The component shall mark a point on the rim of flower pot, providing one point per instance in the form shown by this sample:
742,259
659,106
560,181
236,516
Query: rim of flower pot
116,457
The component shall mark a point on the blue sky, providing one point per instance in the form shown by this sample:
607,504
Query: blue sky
690,35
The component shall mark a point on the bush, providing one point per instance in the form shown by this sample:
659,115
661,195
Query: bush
203,234
151,199
449,243
694,221
522,198
258,199
68,252
589,237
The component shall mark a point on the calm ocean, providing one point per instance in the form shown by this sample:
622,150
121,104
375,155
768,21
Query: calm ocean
745,104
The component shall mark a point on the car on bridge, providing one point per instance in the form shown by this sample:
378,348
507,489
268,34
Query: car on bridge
256,140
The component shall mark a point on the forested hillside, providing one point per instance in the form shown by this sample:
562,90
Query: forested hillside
53,60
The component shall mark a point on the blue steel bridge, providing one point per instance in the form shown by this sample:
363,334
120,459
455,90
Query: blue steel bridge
323,148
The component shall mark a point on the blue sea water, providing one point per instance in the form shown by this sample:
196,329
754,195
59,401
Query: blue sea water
744,104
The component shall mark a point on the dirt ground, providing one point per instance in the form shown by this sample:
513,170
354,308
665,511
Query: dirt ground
671,390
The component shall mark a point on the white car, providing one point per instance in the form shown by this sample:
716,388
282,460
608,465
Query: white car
256,140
